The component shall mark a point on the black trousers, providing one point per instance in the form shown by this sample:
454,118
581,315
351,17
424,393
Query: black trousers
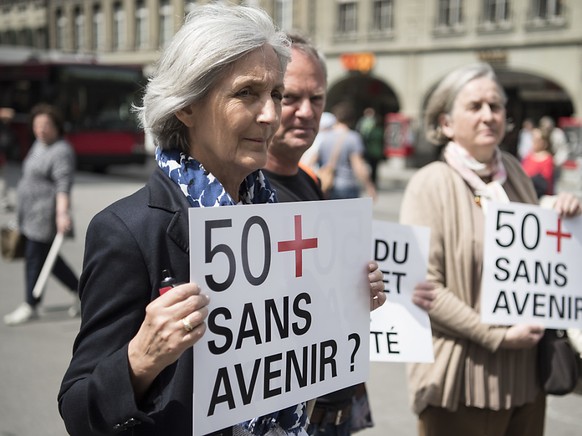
35,254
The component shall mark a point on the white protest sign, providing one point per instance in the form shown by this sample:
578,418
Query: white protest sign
289,305
400,330
531,267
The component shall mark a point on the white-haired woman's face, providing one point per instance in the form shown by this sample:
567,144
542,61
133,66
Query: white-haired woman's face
230,129
477,120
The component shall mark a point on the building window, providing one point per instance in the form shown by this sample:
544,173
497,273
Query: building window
97,29
547,9
61,30
118,27
41,38
9,37
283,14
166,22
347,22
382,15
141,26
496,11
450,13
24,38
545,13
79,28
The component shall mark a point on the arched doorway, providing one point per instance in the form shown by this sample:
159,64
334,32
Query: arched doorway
531,96
362,91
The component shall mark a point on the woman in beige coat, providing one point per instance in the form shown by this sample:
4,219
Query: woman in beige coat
483,380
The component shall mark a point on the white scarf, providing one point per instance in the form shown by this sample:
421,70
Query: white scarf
472,171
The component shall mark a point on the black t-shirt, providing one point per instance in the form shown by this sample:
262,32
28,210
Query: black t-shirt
302,187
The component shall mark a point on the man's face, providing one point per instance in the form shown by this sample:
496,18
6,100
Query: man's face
303,103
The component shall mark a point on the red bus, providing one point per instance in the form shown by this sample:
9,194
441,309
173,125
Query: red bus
95,99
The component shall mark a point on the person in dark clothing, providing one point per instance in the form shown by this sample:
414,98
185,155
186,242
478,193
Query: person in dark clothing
372,131
303,103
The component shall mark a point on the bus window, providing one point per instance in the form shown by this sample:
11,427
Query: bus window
96,101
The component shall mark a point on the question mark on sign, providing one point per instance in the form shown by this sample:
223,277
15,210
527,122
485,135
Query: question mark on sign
356,339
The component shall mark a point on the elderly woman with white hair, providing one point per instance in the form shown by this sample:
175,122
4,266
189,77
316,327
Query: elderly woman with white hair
212,107
484,376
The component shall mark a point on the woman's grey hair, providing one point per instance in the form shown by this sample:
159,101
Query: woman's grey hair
442,99
213,37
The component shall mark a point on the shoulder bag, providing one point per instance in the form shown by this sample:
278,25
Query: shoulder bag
557,363
12,242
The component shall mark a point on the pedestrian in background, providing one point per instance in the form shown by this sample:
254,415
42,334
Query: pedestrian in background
371,128
525,140
342,147
558,142
326,123
8,144
558,139
44,207
539,164
484,376
212,107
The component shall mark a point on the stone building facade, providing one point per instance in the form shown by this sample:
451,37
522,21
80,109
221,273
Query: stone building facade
383,53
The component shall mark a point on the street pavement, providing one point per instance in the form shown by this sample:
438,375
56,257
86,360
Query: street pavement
35,356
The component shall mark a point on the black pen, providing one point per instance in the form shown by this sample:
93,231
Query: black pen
168,282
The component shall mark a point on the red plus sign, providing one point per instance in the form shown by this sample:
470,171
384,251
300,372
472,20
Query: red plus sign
298,245
558,234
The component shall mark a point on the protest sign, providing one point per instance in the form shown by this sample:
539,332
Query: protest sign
289,305
531,267
400,330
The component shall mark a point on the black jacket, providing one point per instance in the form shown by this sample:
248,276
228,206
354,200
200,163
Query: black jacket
128,245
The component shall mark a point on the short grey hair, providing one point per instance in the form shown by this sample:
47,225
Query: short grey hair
212,38
442,99
303,44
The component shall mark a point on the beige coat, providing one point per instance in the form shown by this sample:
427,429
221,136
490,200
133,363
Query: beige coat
469,367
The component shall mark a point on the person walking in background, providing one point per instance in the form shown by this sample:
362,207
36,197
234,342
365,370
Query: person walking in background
326,123
484,376
558,142
539,164
212,106
372,131
303,102
8,143
343,148
44,207
525,141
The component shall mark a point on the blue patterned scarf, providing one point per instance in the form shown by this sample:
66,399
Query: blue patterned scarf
202,189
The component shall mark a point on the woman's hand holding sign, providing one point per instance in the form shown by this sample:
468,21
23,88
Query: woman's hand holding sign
567,204
522,336
173,323
424,295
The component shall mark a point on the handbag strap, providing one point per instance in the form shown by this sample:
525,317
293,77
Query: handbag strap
337,147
